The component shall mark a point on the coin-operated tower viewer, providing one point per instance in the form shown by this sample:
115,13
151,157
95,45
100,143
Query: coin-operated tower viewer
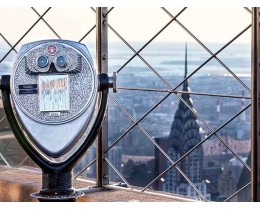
51,101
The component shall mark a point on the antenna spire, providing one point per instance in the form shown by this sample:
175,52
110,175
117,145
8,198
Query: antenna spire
186,62
185,84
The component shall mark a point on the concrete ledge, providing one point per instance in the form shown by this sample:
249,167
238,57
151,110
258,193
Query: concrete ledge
16,185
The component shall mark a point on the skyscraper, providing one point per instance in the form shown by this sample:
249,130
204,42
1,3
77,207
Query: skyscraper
183,136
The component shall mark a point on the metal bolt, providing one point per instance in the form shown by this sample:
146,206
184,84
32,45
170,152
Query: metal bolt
104,57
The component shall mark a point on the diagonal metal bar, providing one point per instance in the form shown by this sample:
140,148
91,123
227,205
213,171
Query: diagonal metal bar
212,130
119,174
108,11
84,169
141,128
146,63
92,8
184,92
162,29
220,50
248,10
93,27
2,118
129,129
22,162
165,154
209,51
237,192
213,133
150,138
195,147
25,34
161,150
1,155
210,58
3,158
46,23
94,145
7,42
190,182
145,45
204,62
183,81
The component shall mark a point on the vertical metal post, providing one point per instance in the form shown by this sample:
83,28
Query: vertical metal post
255,114
102,66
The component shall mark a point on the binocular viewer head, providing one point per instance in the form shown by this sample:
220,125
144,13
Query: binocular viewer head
55,102
54,89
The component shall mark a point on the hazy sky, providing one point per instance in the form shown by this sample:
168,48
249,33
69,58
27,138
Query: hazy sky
134,24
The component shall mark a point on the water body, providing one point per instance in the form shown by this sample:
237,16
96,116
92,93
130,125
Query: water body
167,58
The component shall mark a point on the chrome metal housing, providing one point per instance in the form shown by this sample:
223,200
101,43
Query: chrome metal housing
55,106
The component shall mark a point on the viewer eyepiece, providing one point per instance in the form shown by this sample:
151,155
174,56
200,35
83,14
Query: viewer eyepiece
61,62
42,61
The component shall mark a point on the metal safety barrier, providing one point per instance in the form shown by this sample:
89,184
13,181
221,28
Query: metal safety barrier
103,146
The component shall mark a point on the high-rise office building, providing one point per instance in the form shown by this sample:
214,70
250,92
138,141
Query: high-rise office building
183,136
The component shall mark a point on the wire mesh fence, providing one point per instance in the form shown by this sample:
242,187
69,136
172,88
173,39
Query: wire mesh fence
180,122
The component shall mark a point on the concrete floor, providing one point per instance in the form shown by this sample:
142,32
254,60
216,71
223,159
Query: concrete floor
16,185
